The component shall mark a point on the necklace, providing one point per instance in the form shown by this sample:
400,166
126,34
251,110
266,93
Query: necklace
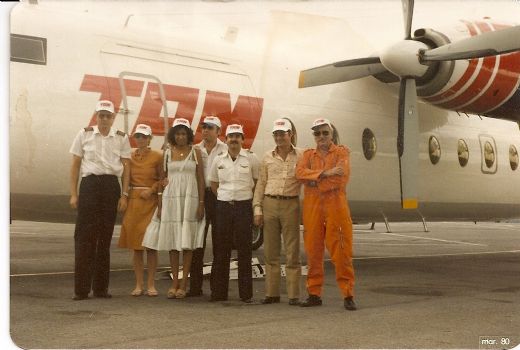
141,154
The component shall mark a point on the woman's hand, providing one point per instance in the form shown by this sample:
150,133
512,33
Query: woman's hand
122,204
200,211
146,194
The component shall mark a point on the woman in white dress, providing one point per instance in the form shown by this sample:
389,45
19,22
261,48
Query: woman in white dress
180,225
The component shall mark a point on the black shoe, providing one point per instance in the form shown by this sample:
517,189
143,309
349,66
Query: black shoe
349,304
192,293
247,300
80,297
312,300
105,295
294,302
270,300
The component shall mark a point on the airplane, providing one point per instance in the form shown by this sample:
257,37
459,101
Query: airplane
252,62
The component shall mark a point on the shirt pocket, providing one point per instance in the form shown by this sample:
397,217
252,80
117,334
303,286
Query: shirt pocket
89,150
243,168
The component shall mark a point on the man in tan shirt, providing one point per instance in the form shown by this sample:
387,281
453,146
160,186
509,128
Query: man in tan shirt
277,208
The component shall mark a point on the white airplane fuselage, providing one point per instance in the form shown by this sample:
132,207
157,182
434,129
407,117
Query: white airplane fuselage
241,60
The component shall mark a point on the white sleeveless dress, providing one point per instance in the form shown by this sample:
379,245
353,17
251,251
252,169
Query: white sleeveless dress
178,229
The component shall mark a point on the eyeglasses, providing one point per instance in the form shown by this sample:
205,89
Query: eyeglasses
209,127
319,133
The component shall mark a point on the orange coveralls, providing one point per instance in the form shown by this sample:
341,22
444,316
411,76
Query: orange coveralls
326,217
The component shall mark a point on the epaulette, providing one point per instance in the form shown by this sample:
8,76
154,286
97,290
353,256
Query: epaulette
88,128
120,133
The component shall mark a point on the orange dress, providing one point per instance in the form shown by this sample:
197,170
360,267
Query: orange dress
145,170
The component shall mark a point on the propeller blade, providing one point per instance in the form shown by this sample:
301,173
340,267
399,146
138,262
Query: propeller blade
483,45
408,16
407,143
341,71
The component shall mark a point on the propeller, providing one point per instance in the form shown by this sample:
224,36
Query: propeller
408,59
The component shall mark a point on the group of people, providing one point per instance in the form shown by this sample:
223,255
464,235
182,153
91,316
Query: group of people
170,199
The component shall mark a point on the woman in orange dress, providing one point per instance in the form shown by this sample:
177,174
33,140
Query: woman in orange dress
146,173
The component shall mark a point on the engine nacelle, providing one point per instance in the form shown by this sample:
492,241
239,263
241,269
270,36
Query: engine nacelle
487,86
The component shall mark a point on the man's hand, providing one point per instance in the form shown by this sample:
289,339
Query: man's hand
73,202
259,220
332,172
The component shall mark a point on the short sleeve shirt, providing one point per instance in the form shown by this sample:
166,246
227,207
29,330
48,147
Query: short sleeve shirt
101,155
235,178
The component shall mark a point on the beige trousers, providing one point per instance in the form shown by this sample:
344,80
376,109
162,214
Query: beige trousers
281,222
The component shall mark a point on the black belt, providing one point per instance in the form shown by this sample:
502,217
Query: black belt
281,197
236,202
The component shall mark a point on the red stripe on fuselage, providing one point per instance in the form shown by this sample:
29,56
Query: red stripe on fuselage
484,75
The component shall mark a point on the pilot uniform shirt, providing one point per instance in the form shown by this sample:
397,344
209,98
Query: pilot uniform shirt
235,178
208,159
101,155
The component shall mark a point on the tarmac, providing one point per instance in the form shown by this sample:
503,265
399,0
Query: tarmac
456,286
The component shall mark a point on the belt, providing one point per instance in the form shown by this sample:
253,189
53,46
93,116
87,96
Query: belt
236,202
281,197
139,187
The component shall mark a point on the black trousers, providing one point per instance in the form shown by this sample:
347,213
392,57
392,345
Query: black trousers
97,211
197,263
232,227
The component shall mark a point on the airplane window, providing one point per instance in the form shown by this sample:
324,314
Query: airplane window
28,49
489,154
513,157
435,150
369,144
463,152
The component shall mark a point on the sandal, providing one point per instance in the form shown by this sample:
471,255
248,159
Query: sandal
180,294
137,292
171,293
152,293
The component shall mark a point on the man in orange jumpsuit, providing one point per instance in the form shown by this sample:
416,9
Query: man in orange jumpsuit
324,171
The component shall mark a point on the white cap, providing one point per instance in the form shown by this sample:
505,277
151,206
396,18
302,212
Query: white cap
105,105
234,129
282,125
181,121
321,121
212,120
143,129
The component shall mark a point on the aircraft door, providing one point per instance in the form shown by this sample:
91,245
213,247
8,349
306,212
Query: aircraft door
124,109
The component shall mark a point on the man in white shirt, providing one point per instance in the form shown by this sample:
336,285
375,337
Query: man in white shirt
100,155
233,177
210,147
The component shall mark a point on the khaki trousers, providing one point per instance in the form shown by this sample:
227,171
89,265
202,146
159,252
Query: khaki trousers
281,222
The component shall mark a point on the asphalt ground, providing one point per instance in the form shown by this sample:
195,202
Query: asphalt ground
456,286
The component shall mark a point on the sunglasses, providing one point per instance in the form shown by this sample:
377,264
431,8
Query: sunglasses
319,133
209,127
138,136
